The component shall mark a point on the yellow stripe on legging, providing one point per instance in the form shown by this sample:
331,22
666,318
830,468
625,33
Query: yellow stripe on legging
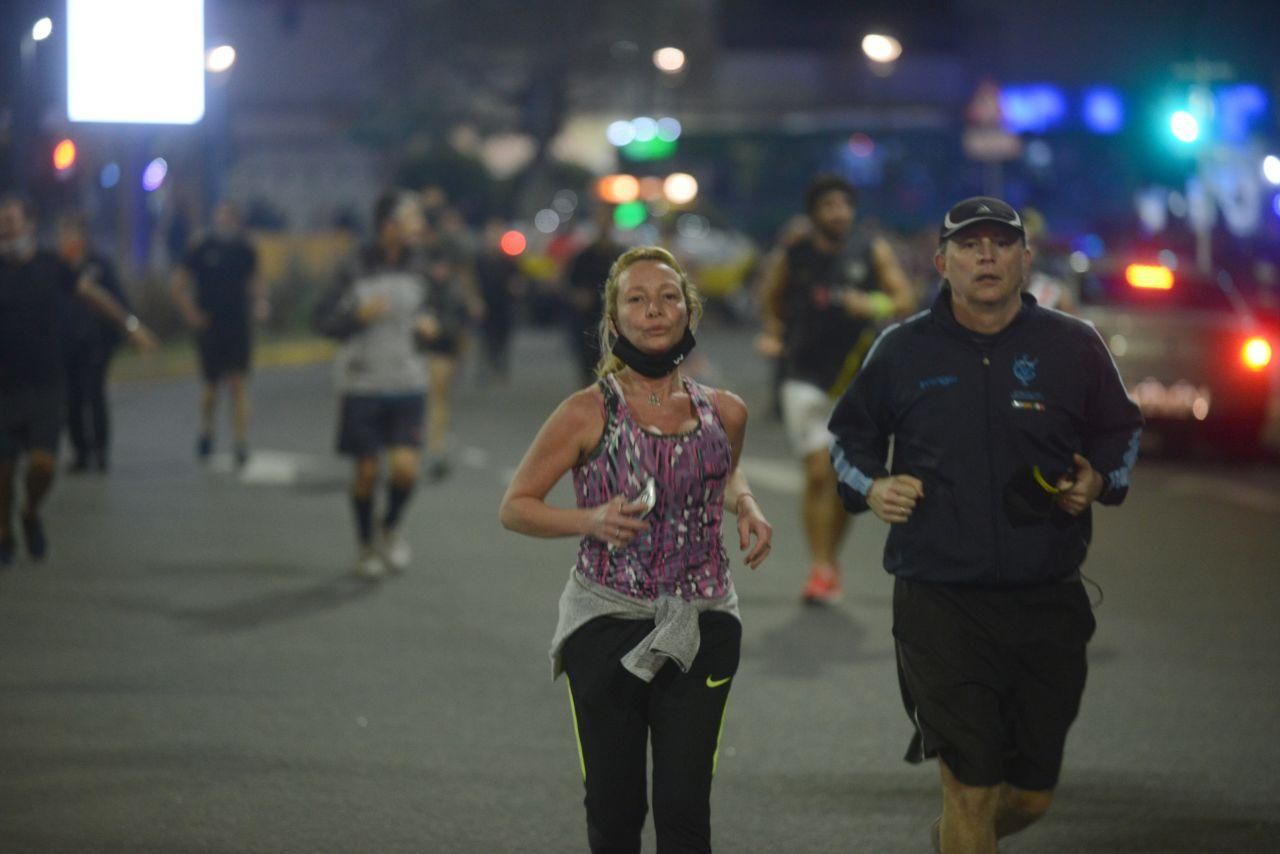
573,710
715,757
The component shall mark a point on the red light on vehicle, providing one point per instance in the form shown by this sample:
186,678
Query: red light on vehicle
1256,354
1151,277
513,242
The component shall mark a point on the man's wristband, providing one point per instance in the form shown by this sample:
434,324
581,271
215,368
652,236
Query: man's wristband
132,324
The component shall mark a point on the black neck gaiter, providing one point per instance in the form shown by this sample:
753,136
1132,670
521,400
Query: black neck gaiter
653,365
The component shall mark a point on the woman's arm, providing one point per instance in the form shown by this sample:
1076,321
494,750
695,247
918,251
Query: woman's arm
568,435
737,493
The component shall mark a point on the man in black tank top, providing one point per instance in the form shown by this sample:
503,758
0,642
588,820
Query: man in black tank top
824,303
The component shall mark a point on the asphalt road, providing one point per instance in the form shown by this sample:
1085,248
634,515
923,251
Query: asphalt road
195,670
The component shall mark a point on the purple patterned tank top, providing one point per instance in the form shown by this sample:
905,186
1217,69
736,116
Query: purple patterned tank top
681,554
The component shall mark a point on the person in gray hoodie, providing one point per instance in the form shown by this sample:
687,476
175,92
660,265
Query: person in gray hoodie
378,310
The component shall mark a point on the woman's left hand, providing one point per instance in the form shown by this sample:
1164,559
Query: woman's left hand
752,524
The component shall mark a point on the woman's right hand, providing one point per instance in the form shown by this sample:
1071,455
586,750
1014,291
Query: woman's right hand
618,522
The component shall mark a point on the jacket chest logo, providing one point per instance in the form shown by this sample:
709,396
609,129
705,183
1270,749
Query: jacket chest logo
1024,369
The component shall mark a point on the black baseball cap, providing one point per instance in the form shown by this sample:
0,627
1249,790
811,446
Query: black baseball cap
980,209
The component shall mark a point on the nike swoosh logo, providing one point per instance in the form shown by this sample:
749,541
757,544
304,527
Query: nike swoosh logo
716,683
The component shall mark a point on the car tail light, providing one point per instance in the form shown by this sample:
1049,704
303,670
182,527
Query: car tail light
1151,277
1256,354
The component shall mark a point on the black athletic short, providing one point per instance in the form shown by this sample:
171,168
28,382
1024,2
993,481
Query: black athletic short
224,351
370,423
31,419
992,678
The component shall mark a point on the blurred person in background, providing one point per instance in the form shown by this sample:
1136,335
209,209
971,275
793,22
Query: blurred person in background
501,287
378,310
220,296
449,263
823,305
91,340
1008,421
36,291
585,274
1049,290
649,632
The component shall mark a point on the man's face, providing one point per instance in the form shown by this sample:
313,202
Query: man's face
985,263
833,214
226,219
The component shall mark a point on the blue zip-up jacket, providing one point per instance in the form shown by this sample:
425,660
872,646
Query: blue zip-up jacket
973,417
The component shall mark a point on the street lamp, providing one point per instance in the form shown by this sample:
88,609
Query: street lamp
42,29
669,60
220,58
881,48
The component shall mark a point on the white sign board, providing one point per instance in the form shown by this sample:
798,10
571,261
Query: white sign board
137,61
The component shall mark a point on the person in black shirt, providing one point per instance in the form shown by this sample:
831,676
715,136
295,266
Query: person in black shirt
228,297
823,305
36,288
585,278
500,283
91,340
1008,422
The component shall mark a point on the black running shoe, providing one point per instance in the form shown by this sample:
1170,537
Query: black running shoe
33,534
204,447
7,548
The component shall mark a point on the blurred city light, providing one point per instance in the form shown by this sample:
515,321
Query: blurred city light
680,188
1256,354
546,220
618,189
513,243
645,128
565,202
620,133
220,58
650,189
861,145
1103,110
1271,169
1184,126
109,176
1237,107
668,129
881,48
649,149
1035,108
1149,277
42,29
630,215
669,59
153,176
64,155
1275,204
693,226
141,61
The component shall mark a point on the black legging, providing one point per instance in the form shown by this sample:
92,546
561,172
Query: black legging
88,421
615,713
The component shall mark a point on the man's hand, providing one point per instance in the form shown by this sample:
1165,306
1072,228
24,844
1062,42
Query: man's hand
427,327
894,498
143,339
1079,487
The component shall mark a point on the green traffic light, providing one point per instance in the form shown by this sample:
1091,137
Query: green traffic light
1184,126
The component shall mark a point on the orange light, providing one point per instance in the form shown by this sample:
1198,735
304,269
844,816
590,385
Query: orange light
1256,354
64,155
618,189
1150,277
513,242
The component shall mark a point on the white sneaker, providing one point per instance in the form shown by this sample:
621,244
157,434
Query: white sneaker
369,565
395,551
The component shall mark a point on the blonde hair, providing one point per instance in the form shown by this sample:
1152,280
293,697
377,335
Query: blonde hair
609,363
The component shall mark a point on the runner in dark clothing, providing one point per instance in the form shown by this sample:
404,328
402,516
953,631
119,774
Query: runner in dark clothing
584,281
221,269
36,288
91,340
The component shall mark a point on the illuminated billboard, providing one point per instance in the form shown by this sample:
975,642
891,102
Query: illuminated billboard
137,61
